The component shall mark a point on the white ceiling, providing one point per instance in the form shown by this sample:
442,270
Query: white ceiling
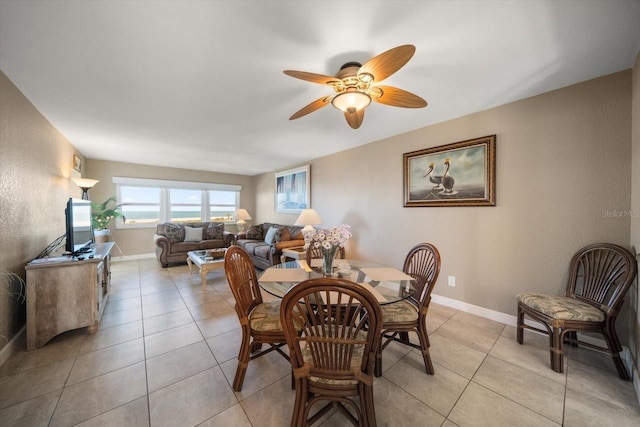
199,84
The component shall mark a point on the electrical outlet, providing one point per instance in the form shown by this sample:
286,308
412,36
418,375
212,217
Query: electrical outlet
452,281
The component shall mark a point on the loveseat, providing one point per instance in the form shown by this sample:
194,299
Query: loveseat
173,240
264,242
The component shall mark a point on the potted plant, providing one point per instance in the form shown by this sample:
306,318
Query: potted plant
101,215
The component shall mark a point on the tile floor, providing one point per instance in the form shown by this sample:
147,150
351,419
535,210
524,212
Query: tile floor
164,355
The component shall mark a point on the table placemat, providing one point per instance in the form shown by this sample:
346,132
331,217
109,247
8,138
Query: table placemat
284,275
373,290
317,262
385,273
333,296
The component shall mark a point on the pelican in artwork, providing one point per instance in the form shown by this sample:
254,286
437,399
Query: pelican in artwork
447,180
433,178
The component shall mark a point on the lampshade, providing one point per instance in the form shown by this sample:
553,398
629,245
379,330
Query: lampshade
351,100
308,218
85,184
242,214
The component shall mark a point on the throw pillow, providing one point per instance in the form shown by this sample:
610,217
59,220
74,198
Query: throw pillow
283,234
174,232
297,235
255,232
192,234
215,231
270,237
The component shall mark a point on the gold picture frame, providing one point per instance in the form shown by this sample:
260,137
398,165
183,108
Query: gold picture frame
458,174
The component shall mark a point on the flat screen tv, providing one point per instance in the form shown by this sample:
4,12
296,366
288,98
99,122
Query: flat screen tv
79,233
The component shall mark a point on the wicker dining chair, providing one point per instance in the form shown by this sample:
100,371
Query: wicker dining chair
599,277
332,347
259,321
410,315
315,253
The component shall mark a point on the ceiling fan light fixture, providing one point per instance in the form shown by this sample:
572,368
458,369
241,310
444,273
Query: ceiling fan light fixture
351,100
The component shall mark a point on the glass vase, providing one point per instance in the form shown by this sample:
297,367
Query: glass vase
328,256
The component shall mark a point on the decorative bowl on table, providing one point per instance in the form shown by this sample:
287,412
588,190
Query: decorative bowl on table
216,253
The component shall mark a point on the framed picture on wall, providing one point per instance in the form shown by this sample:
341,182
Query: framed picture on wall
76,162
293,190
458,174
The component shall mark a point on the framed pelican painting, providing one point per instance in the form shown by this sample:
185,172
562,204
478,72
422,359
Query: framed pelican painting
458,174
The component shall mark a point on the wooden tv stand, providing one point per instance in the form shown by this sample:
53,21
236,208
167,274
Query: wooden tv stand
65,293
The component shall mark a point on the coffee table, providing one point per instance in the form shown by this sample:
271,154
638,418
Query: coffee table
204,262
293,253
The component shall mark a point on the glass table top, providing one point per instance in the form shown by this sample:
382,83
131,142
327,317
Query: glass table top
387,284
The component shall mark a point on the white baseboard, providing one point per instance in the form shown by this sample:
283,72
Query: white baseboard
13,345
487,313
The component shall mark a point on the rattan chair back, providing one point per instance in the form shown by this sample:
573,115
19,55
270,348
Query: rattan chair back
251,310
332,327
600,276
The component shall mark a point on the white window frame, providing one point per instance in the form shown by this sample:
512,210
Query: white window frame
165,186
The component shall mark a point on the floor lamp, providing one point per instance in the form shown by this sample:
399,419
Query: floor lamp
85,184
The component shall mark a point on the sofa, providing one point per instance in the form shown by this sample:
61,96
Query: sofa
264,242
173,240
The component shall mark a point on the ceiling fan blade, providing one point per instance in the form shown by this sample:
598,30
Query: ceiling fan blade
312,77
355,119
315,105
395,97
387,63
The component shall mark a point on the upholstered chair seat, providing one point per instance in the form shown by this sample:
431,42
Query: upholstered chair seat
401,311
561,308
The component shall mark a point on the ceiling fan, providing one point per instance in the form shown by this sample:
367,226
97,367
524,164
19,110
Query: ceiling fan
356,86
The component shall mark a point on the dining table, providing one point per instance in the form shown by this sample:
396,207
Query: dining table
387,284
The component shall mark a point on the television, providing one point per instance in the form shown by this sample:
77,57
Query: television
79,233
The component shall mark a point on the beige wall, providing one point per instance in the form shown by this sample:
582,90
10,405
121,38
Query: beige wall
634,299
562,159
140,241
35,167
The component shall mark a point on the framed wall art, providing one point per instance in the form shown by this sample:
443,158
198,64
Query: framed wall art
293,190
458,174
76,163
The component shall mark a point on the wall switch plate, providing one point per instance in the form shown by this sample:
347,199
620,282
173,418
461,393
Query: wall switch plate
451,281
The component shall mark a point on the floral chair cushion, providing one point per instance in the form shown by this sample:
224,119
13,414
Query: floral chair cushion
401,311
561,308
265,317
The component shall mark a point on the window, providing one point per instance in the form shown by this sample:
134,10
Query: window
222,205
140,205
148,202
185,205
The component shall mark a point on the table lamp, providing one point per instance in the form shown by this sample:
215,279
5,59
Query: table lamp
85,184
308,218
241,215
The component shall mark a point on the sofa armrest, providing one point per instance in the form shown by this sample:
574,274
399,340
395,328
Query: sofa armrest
163,247
229,238
279,246
161,240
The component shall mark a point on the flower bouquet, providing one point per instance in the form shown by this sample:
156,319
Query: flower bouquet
328,241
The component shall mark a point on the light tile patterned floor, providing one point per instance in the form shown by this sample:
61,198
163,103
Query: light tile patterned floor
165,355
